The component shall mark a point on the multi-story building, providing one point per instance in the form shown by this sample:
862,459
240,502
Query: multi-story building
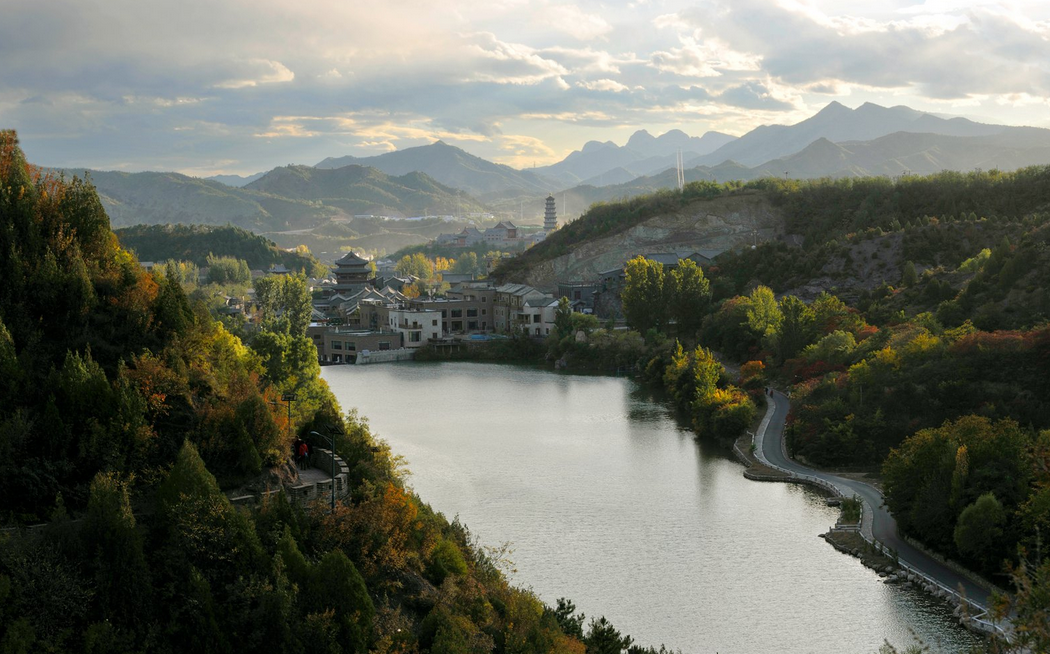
510,310
467,308
416,325
352,274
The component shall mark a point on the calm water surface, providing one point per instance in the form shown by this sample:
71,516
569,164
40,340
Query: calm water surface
607,500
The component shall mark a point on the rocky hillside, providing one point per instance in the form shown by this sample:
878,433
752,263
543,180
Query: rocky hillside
720,223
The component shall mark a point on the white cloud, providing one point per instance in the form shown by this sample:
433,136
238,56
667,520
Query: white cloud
603,85
575,22
267,72
709,58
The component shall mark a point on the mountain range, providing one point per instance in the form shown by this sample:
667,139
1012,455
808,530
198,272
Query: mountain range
441,178
451,166
643,154
360,189
286,198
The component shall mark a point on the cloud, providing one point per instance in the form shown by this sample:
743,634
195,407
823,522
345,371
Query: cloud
267,72
149,84
709,58
510,63
575,22
603,85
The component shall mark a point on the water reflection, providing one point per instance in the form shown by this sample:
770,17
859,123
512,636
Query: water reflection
609,501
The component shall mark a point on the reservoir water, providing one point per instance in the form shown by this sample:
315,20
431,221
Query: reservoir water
607,500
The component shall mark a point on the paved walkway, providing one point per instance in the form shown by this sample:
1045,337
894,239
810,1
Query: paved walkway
877,524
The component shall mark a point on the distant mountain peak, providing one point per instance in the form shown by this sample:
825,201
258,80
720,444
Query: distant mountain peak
833,107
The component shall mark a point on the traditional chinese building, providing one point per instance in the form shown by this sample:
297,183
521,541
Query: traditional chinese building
550,215
352,274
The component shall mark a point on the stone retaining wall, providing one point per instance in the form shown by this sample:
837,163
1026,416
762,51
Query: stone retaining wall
305,493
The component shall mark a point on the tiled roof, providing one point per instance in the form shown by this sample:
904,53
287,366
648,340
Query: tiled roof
350,259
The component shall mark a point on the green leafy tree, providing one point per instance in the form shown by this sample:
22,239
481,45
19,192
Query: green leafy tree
909,276
563,318
285,303
796,328
763,313
643,296
416,265
113,546
603,638
228,270
690,294
979,530
569,621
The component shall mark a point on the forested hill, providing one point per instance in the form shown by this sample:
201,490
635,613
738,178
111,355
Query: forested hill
126,412
365,190
164,198
195,242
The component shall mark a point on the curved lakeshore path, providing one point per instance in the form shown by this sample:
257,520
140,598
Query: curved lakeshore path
878,523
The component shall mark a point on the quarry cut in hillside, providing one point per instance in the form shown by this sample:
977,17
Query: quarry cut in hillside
718,224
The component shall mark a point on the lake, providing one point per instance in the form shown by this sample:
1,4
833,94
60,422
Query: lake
607,500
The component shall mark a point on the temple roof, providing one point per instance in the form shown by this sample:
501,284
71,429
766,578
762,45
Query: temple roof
351,259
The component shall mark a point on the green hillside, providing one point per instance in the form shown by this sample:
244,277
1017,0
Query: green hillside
127,414
195,242
169,198
363,190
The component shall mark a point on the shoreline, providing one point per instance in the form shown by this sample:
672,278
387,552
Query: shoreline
851,540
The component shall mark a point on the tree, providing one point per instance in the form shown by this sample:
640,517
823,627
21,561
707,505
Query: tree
909,277
644,301
763,313
113,546
571,622
690,294
563,318
603,638
228,270
466,264
795,330
285,303
979,531
415,265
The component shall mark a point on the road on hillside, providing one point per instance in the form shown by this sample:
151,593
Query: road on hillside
882,524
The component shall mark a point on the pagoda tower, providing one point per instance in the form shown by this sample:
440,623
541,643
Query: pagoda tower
550,215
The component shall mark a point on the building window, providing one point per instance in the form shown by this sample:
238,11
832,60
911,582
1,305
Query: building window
352,346
577,295
484,325
536,318
484,299
444,314
457,313
415,337
472,313
484,312
472,325
337,345
384,345
433,323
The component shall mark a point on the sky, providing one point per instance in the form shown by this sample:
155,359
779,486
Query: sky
210,86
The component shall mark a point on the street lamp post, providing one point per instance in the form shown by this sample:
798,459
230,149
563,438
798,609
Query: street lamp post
331,443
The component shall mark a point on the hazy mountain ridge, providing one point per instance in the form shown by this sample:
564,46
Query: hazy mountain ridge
838,123
359,189
450,166
237,181
643,154
159,198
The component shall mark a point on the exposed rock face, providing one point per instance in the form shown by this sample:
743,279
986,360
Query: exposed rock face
719,224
